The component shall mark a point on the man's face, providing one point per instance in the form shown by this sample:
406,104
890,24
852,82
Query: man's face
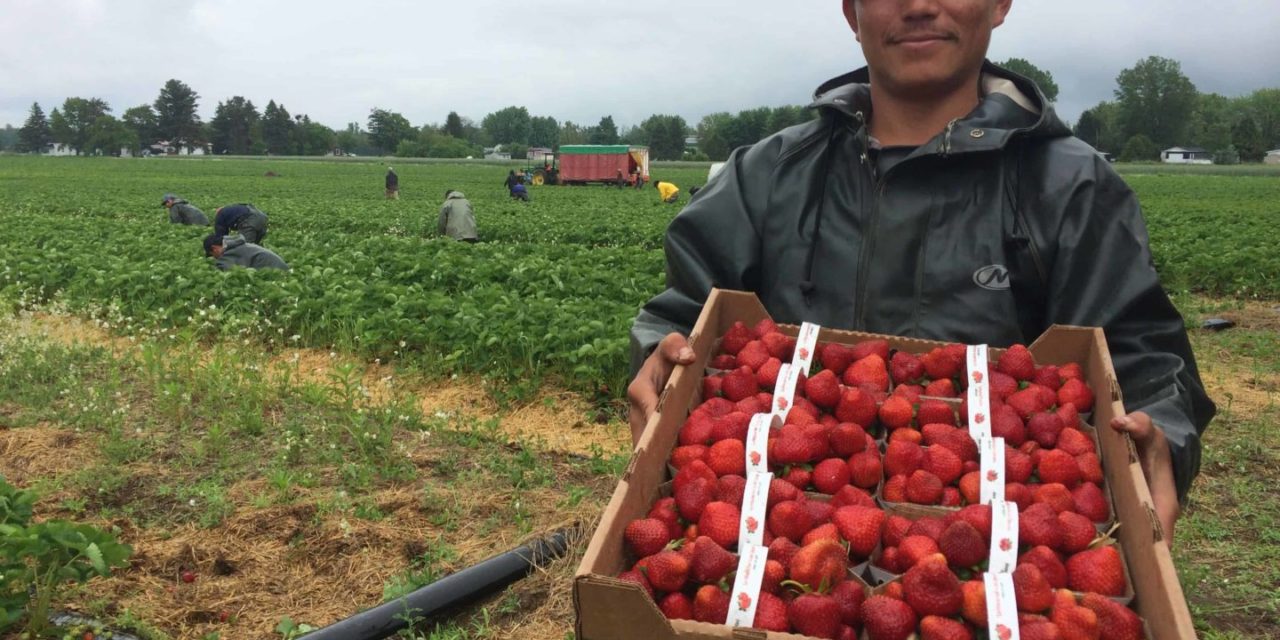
216,250
924,48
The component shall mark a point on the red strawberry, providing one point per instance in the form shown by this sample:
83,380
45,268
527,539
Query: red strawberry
1090,468
1115,621
820,564
719,521
682,455
1044,428
876,347
667,571
931,589
1027,402
819,512
710,561
935,412
851,496
1048,399
894,489
1075,391
1055,495
951,497
860,526
693,498
865,469
847,439
867,373
1005,423
800,476
1077,532
789,519
1030,589
823,389
715,407
857,406
915,548
677,606
939,628
1098,570
1073,621
1047,376
977,515
778,345
711,385
934,432
788,450
782,550
1039,630
1017,465
728,457
896,412
771,611
963,545
849,595
1002,385
1017,363
646,537
730,489
941,363
827,531
1058,466
753,355
1068,413
928,526
909,435
764,328
895,529
711,604
1091,502
886,618
836,357
890,560
1075,442
943,463
774,574
815,615
638,578
943,388
1038,525
974,608
924,488
911,392
1050,566
740,384
971,487
961,443
735,338
767,374
903,458
1019,494
697,429
780,490
830,475
905,368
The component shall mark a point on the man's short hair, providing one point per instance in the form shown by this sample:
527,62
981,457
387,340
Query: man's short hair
210,241
167,198
447,192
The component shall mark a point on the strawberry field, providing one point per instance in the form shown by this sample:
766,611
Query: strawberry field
398,406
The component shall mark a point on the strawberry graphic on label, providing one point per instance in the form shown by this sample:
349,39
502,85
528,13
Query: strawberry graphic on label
1003,632
980,418
1006,544
782,403
977,377
752,524
804,354
744,602
755,458
992,475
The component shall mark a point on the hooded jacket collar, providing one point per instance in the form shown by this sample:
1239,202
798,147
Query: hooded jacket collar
233,242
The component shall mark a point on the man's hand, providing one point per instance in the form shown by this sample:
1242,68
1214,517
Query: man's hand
1157,464
652,377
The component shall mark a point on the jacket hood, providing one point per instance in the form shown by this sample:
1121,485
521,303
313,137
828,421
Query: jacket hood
455,195
1011,105
232,242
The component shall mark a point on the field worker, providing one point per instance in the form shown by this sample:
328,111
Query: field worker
937,196
242,218
183,212
512,180
621,180
520,192
668,191
235,251
457,220
393,184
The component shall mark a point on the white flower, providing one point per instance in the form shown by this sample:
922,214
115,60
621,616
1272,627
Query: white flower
192,502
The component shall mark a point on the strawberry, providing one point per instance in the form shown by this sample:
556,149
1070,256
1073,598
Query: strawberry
771,611
753,355
1027,402
963,545
1055,495
730,489
637,577
682,455
816,615
1044,428
667,571
1005,423
693,497
1115,621
823,389
915,548
942,363
1039,630
677,606
934,432
1075,391
1075,442
1002,385
858,407
1090,468
939,628
896,412
778,345
799,476
1017,465
789,450
830,475
735,426
819,512
890,560
1019,494
774,574
860,526
971,487
847,439
836,357
886,618
735,338
740,384
711,385
911,392
868,373
905,368
715,407
1077,532
789,519
710,561
690,472
1050,566
780,490
711,604
1030,589
943,388
1073,621
1090,502
823,531
974,607
851,496
935,412
849,595
1047,376
719,521
928,526
943,463
767,374
902,458
1048,399
931,589
961,443
1038,525
782,550
819,564
764,328
951,497
978,516
865,469
876,347
924,488
1017,363
697,429
894,489
646,537
909,435
728,457
894,530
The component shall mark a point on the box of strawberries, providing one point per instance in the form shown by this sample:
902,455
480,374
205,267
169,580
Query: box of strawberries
806,482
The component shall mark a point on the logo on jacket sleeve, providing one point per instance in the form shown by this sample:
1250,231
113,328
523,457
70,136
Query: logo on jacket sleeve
993,277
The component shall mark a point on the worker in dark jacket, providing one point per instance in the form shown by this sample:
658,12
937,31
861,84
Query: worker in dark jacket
235,251
393,184
242,218
183,212
893,219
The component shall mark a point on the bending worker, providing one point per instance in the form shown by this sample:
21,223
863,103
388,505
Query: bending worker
242,218
183,212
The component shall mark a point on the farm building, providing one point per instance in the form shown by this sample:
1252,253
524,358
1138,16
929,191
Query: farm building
59,149
1186,155
1272,157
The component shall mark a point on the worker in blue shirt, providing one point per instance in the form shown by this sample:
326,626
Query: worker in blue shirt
243,218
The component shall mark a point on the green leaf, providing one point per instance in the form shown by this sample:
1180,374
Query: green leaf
95,558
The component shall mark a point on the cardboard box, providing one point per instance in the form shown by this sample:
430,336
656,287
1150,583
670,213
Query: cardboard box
608,608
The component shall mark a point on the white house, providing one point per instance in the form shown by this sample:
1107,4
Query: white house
1272,157
59,149
496,153
1186,155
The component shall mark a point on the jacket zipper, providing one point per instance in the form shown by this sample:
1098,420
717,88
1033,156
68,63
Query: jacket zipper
868,239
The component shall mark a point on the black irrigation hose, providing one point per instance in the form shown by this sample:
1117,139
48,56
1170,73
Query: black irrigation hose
449,592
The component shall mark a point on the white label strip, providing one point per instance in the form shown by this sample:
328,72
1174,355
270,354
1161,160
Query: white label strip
979,392
991,455
746,586
1004,537
806,343
758,442
1002,608
784,392
755,501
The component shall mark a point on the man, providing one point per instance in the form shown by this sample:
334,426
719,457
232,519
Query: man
235,251
183,212
393,184
668,191
883,220
243,218
457,220
519,192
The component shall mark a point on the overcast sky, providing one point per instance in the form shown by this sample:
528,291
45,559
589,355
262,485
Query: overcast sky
572,59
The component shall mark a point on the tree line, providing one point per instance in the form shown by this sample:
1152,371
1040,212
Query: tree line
1155,107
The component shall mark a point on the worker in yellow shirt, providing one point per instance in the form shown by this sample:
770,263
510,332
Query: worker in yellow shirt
668,191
